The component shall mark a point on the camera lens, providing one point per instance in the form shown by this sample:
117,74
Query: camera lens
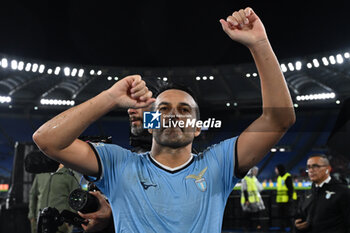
83,201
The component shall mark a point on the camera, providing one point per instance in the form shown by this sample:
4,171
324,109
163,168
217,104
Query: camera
83,201
50,219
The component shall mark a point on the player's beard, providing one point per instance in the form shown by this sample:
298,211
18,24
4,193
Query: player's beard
173,137
136,130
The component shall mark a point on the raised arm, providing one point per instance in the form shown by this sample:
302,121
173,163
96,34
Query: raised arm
57,138
245,27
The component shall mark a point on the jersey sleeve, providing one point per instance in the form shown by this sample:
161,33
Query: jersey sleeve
224,154
111,159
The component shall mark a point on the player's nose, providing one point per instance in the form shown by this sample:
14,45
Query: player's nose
132,111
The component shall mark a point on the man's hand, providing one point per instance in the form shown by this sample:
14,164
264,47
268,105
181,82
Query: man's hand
131,92
245,27
100,219
300,225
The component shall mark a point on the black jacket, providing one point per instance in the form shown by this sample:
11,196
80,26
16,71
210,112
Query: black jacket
326,209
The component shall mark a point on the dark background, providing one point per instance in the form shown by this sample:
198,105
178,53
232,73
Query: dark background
164,33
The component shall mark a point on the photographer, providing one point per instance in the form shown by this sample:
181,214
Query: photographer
53,191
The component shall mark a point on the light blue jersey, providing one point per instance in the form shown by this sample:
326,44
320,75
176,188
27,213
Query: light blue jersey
147,198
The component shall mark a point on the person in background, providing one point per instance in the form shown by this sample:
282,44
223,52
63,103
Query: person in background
285,196
36,195
52,190
251,201
326,207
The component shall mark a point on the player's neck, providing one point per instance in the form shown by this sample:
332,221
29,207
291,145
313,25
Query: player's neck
171,157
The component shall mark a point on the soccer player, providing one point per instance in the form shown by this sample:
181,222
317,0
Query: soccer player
169,189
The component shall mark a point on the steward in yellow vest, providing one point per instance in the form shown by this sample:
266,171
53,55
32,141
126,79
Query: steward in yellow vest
250,192
284,198
283,192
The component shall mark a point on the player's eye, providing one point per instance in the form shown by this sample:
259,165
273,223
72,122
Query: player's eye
163,108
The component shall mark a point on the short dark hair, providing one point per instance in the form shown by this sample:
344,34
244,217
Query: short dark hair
323,156
178,86
281,169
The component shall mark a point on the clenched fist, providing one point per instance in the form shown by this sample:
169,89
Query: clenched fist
131,92
245,27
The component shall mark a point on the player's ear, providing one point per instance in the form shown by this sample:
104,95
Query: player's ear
197,132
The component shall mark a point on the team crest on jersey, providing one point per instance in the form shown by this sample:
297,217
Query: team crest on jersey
329,194
199,180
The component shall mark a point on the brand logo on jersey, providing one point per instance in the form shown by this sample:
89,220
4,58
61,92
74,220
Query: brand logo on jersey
329,194
97,144
146,186
151,120
199,180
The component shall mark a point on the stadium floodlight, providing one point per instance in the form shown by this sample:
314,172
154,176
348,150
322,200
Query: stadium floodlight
325,61
109,78
28,67
337,101
319,96
74,72
235,104
347,55
211,77
66,71
228,104
332,60
165,79
35,67
81,72
14,64
291,66
340,59
273,150
116,78
284,68
296,105
198,78
309,65
92,72
255,74
20,65
204,78
41,68
247,75
99,72
282,149
315,62
5,99
298,65
4,63
57,102
49,71
57,70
